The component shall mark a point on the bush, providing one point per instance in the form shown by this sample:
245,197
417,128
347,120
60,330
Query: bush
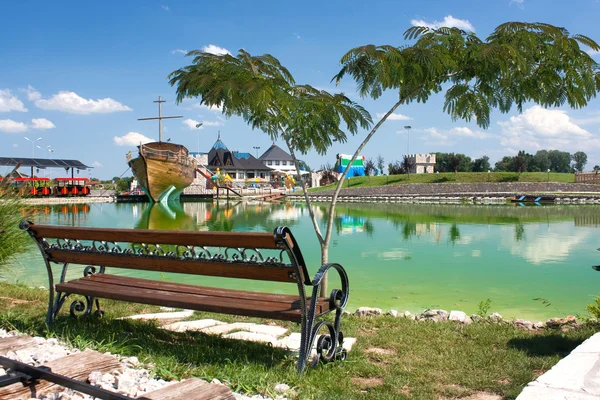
12,240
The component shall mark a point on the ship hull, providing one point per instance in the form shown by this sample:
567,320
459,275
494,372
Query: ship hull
162,179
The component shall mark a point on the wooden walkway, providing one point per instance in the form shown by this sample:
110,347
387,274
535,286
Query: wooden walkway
78,366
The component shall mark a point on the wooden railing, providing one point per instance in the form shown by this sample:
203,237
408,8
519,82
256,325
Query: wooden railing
167,155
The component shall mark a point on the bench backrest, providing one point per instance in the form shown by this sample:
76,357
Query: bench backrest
260,256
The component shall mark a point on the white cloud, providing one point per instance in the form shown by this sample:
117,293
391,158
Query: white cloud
394,117
10,126
41,123
464,131
211,48
72,103
166,8
592,52
96,164
15,145
10,102
519,3
541,128
591,118
191,123
32,94
131,139
448,21
436,133
179,51
296,35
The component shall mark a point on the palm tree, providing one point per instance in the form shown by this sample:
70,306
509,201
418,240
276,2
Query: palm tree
518,63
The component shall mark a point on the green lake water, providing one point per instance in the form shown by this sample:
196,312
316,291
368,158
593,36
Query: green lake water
531,262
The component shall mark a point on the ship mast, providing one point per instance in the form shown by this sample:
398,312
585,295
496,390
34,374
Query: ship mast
160,117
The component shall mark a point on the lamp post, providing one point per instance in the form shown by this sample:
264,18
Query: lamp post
33,150
256,148
407,127
198,126
548,175
50,151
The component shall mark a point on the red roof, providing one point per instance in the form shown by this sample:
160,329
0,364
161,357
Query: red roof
71,179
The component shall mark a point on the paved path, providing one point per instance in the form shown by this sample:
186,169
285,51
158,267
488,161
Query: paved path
575,377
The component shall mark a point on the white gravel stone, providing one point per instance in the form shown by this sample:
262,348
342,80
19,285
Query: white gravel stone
367,311
2,372
95,377
434,315
393,313
127,385
282,388
459,316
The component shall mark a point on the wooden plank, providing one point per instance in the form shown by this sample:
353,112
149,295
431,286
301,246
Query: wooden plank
14,343
164,264
202,290
195,295
190,389
214,239
248,308
76,366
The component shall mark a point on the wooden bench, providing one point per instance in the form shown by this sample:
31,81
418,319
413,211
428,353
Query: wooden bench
240,255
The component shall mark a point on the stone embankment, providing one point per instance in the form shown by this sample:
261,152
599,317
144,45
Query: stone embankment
486,193
565,323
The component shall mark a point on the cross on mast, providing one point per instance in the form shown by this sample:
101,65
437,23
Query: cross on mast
160,117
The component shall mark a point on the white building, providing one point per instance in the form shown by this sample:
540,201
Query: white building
276,158
422,163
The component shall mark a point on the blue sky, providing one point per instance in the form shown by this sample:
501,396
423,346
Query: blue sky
79,74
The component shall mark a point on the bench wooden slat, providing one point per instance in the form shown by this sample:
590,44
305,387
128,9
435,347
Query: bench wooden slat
323,302
164,264
211,239
251,308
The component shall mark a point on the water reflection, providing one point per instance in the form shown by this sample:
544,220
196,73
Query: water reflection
401,256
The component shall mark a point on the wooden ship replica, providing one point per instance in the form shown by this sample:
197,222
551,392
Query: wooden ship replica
163,169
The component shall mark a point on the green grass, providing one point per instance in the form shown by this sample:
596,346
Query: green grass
394,358
449,177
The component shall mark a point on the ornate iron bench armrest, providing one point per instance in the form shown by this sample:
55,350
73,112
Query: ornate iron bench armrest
330,344
338,297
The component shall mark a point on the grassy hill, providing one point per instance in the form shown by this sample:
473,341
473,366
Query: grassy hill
449,177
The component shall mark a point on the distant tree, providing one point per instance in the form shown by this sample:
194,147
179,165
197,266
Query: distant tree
456,161
395,168
466,164
408,164
506,164
123,184
520,162
380,163
560,161
541,161
369,167
579,160
304,166
596,168
442,162
481,164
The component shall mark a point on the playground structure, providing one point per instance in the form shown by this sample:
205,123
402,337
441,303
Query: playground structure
356,169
